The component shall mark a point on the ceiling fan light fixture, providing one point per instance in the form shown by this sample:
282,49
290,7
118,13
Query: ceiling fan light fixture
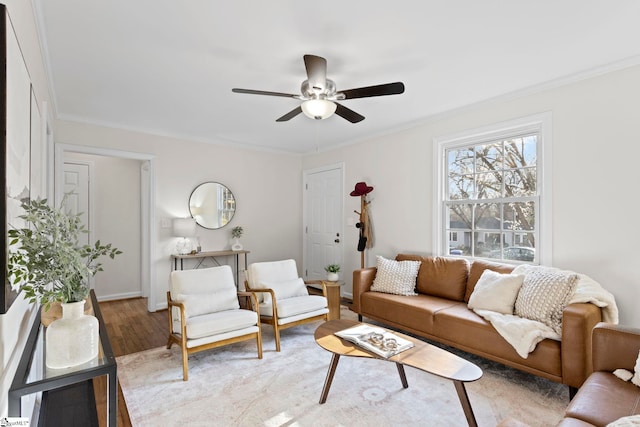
318,109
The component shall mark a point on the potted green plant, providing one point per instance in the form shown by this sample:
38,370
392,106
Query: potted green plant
332,272
236,233
46,260
47,263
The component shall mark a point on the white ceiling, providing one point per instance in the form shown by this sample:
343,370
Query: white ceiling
167,67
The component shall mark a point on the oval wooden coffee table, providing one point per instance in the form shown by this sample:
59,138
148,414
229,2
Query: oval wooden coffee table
423,356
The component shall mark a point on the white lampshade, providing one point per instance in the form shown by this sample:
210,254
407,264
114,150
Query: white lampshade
184,227
318,109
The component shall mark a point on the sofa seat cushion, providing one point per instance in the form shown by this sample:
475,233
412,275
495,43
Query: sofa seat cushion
414,312
461,327
295,305
604,398
440,276
219,323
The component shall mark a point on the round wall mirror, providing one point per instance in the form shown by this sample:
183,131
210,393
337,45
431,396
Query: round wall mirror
212,205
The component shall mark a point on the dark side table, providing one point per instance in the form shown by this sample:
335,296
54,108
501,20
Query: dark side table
33,376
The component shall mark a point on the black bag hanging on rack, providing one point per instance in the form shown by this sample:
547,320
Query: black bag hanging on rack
362,241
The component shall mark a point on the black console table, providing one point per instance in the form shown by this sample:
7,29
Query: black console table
45,379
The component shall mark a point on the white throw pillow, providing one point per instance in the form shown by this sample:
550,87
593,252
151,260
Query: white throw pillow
396,277
545,292
496,292
284,289
628,421
625,375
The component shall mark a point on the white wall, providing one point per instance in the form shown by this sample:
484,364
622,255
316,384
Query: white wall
596,147
267,187
14,325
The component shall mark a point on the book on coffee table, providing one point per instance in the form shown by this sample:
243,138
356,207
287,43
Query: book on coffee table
376,340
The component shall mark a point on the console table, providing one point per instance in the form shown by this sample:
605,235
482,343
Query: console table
33,376
214,255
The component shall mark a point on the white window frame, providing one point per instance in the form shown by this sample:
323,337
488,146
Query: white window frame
541,123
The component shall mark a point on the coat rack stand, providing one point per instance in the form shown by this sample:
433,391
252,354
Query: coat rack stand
365,239
363,202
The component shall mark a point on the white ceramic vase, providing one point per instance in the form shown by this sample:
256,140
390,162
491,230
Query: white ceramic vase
237,246
73,339
332,277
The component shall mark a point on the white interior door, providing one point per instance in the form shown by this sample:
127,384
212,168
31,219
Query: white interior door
75,185
323,221
76,193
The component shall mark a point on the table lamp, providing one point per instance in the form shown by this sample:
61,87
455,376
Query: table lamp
184,228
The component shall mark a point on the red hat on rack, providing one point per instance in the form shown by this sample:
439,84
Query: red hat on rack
361,189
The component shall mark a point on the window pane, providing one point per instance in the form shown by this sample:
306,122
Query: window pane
519,253
520,152
489,185
519,216
487,216
460,217
520,182
460,187
489,157
460,161
486,244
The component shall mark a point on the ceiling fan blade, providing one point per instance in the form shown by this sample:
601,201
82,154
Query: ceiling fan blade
378,90
348,114
290,115
263,92
316,71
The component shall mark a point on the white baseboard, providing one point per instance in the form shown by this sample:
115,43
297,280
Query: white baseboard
114,297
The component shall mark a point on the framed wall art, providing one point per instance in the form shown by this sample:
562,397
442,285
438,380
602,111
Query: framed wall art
15,126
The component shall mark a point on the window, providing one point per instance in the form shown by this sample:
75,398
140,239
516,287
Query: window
490,188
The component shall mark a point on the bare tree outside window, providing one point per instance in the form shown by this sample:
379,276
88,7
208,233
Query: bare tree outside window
492,198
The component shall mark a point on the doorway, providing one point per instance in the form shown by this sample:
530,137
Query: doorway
145,175
322,220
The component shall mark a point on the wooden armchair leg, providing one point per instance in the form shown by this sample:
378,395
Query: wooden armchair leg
185,364
259,344
276,331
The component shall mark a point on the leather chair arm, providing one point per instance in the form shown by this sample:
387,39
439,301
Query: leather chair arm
578,321
615,347
362,281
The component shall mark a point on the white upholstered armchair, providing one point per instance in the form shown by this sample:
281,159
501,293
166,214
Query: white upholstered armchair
204,312
284,300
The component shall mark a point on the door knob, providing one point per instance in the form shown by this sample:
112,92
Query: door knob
337,240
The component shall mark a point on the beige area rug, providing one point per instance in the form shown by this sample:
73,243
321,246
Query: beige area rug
230,386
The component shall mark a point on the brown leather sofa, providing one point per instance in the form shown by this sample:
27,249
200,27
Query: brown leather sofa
439,312
604,398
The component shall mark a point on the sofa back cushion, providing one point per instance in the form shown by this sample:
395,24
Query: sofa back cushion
478,267
440,276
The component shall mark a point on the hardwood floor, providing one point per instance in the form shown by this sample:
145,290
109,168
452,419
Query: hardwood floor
131,329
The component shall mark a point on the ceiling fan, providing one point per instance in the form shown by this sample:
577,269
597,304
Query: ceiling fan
320,95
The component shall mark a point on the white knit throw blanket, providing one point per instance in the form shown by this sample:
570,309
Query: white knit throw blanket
524,334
